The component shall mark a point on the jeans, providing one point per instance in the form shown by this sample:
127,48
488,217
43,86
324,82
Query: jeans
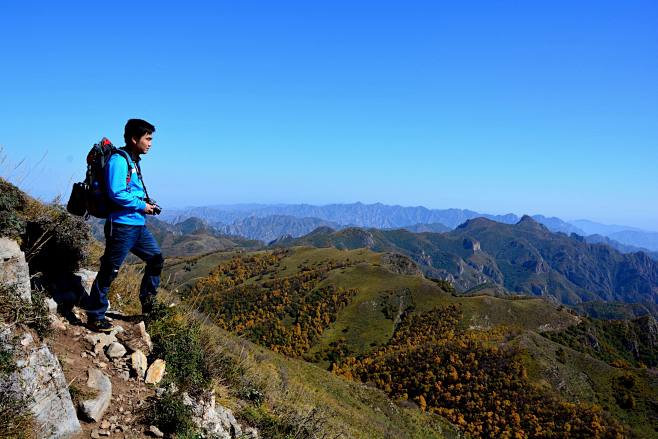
119,240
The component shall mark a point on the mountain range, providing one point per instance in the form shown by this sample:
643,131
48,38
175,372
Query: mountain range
524,258
268,222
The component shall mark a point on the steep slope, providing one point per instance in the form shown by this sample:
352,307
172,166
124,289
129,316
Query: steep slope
348,310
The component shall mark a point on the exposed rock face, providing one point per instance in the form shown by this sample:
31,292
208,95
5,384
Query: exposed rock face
13,268
215,421
471,244
40,379
94,409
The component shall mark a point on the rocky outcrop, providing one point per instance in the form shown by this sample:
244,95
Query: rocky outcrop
40,380
215,421
13,268
471,244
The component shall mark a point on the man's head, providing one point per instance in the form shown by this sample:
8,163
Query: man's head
138,135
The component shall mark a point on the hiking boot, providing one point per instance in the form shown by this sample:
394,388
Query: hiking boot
100,325
147,306
72,318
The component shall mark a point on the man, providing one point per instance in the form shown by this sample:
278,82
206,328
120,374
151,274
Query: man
125,228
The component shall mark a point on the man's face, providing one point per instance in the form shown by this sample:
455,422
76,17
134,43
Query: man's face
143,144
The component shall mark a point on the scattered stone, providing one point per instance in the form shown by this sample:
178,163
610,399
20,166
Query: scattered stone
83,354
57,323
155,431
104,433
139,363
124,375
98,342
105,424
27,339
145,335
95,434
52,305
94,409
115,350
113,419
155,372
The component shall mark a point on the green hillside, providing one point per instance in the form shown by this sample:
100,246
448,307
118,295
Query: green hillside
522,258
343,309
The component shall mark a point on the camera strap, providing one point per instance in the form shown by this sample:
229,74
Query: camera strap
139,174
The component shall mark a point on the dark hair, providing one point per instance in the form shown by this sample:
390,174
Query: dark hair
136,128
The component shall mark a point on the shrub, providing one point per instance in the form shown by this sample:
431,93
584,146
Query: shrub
177,339
16,311
12,202
54,240
171,415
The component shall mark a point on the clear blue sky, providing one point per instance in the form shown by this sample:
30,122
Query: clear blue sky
497,106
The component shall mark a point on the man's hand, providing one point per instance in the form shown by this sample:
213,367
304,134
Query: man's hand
149,209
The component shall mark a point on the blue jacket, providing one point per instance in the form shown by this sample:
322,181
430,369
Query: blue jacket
128,196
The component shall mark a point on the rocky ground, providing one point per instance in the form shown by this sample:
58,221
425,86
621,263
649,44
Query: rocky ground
112,402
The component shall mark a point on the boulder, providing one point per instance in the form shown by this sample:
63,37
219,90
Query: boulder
94,409
13,268
155,372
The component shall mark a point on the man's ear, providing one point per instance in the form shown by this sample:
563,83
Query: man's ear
134,140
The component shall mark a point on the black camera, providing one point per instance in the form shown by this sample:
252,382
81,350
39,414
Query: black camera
156,209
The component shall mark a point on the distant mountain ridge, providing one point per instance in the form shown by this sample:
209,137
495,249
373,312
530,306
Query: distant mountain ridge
233,220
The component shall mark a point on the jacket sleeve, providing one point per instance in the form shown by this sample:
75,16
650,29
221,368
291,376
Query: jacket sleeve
117,188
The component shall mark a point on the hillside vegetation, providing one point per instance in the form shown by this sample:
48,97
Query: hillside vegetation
523,258
476,360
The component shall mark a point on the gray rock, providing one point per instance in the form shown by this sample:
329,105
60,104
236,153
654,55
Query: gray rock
52,305
14,269
139,363
100,341
145,335
94,409
41,381
155,431
213,420
115,350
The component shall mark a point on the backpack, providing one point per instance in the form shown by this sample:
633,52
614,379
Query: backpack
89,197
